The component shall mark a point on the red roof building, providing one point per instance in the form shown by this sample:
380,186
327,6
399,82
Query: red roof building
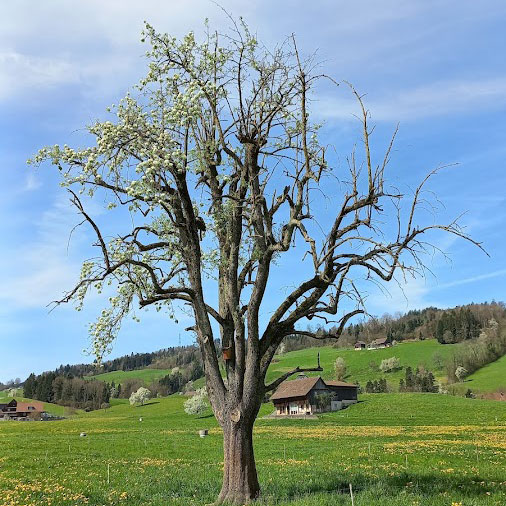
15,410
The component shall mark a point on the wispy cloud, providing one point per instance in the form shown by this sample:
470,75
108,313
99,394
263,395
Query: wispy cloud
433,99
32,182
19,72
471,279
38,269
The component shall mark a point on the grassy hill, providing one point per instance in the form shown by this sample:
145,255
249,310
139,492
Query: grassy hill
146,375
396,450
358,362
489,378
363,365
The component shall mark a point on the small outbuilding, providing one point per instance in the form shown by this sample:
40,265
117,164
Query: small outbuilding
360,345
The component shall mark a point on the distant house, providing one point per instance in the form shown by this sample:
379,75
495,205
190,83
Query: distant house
307,396
382,342
15,410
360,345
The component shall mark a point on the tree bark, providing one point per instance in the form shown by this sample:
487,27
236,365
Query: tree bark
240,481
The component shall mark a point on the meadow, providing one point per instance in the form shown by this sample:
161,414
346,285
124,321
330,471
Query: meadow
488,378
146,375
395,449
358,363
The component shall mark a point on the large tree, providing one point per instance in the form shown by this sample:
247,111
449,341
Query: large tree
216,168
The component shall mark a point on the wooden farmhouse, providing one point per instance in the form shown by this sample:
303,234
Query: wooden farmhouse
360,345
308,396
382,342
15,410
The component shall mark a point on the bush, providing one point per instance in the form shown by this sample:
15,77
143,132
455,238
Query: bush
390,364
197,404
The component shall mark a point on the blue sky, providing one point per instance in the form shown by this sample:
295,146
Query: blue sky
436,67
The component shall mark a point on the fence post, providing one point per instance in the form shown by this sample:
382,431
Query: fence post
351,494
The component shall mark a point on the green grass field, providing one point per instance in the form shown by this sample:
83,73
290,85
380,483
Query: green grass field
410,354
395,449
146,375
488,378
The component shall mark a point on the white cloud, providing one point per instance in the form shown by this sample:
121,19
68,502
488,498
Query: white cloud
433,99
32,182
19,72
37,270
472,279
399,296
96,44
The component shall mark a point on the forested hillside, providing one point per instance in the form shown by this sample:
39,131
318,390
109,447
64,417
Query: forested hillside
448,326
469,337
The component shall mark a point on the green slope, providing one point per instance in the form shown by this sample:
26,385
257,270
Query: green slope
146,375
489,378
358,363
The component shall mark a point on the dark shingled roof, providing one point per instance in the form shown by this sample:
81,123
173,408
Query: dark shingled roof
381,340
339,384
295,388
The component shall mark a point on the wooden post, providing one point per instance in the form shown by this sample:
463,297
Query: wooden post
351,494
108,473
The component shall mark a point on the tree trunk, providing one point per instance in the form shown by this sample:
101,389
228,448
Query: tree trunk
240,481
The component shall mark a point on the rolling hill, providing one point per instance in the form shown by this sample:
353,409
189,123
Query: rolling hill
489,378
362,365
146,375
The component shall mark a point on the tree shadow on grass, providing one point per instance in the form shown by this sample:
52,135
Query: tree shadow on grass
148,404
428,485
203,417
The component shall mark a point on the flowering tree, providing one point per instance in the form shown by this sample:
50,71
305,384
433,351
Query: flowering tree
197,403
460,373
140,397
390,364
216,167
340,368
